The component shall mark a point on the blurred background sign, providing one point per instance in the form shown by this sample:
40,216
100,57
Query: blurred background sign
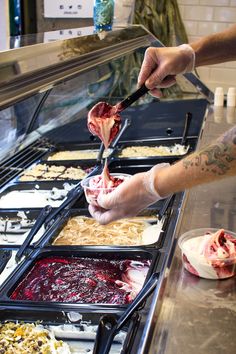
68,9
67,33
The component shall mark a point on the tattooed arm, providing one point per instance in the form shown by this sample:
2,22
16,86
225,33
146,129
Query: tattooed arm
212,163
215,161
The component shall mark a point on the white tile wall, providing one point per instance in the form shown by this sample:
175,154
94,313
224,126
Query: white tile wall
203,17
204,28
191,27
189,2
225,14
204,71
198,13
215,2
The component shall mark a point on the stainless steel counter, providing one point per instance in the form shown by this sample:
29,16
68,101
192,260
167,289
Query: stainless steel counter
197,315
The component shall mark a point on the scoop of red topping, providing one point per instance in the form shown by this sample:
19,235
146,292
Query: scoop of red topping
220,247
104,121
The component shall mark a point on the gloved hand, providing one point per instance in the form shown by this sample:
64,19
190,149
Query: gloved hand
129,198
160,65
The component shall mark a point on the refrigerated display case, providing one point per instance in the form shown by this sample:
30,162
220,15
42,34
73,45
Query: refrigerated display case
46,91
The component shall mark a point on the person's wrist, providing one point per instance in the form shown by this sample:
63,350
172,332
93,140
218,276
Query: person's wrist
151,181
160,178
190,53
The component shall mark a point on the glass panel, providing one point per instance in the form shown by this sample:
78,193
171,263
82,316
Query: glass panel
14,122
72,99
110,82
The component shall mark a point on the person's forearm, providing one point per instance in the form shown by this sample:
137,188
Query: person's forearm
216,48
212,163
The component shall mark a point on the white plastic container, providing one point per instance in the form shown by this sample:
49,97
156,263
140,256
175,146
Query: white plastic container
194,260
219,97
92,193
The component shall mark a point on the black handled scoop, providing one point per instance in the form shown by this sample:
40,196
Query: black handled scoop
5,256
38,223
121,106
109,326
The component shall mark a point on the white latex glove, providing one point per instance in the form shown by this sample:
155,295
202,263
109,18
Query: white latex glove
129,198
160,65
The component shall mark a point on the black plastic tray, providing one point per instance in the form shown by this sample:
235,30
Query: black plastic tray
48,238
130,253
192,142
52,232
3,263
170,217
29,186
56,317
13,214
84,164
62,147
10,214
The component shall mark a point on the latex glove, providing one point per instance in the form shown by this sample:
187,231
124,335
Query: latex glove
129,198
160,65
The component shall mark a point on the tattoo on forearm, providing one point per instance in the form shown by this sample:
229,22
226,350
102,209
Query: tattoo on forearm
214,158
